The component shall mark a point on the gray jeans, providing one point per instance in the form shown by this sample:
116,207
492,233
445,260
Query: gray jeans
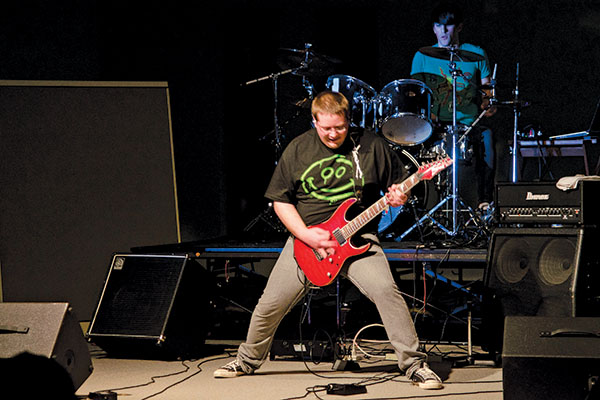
286,286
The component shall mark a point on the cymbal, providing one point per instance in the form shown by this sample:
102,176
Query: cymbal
444,53
308,62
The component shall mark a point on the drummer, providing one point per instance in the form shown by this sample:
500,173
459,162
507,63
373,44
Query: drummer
432,66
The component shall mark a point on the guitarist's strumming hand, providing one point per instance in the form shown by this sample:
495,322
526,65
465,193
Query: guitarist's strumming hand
320,240
395,195
317,238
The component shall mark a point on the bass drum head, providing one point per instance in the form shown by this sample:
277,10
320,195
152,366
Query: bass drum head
424,196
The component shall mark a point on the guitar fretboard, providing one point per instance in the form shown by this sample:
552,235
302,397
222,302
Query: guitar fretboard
376,208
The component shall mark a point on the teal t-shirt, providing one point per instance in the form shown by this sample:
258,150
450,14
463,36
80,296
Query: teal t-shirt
435,73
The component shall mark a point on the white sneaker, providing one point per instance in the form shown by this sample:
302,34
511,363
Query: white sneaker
420,374
230,370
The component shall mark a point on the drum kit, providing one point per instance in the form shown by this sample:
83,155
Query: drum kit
401,113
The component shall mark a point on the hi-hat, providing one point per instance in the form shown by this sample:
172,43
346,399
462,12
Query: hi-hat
307,62
444,53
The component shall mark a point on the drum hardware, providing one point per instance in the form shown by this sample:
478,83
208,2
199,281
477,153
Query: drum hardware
417,201
311,64
401,112
303,63
305,103
452,54
361,97
454,142
404,107
516,104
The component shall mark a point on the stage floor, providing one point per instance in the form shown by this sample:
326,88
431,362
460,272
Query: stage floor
184,380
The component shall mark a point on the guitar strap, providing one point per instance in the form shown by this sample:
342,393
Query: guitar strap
358,174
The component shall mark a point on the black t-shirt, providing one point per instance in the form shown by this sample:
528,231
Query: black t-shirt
317,179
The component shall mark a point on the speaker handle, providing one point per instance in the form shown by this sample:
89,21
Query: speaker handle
568,333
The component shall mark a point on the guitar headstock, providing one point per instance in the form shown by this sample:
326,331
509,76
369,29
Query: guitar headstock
431,169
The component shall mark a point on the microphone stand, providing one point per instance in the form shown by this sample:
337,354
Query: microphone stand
516,110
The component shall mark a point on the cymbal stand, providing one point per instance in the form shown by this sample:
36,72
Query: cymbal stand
516,111
275,77
266,214
452,194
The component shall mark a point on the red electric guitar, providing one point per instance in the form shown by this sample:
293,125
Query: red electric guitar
322,271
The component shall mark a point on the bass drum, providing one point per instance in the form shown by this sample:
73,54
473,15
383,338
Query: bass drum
423,197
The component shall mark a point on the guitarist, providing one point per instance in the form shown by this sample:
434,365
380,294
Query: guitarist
316,173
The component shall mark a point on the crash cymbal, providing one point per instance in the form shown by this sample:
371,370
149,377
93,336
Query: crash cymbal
307,62
444,53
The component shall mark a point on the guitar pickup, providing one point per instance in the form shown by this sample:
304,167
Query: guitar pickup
319,258
339,236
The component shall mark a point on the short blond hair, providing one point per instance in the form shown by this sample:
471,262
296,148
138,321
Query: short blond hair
329,102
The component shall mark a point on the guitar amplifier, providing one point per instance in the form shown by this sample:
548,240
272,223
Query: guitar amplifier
542,203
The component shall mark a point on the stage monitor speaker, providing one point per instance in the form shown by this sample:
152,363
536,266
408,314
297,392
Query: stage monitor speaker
45,329
153,306
548,358
540,272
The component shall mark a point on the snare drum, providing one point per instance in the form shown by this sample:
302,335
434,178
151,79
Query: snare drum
404,109
362,99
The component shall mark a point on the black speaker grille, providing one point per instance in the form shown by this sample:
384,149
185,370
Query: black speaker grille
557,262
512,261
138,295
533,273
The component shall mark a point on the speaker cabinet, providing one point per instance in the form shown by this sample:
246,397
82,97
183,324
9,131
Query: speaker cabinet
548,358
153,306
549,272
45,329
545,271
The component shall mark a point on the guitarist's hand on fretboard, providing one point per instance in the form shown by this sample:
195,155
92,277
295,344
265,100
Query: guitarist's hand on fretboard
395,195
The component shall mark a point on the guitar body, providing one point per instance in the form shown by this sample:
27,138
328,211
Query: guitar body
322,272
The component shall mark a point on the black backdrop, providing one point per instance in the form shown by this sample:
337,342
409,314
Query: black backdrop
222,130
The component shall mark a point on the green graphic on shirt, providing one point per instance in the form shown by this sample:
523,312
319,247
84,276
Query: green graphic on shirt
330,179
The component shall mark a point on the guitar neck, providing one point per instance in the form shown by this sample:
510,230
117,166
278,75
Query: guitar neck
376,208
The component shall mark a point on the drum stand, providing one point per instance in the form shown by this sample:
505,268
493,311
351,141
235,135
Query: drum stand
267,214
452,198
